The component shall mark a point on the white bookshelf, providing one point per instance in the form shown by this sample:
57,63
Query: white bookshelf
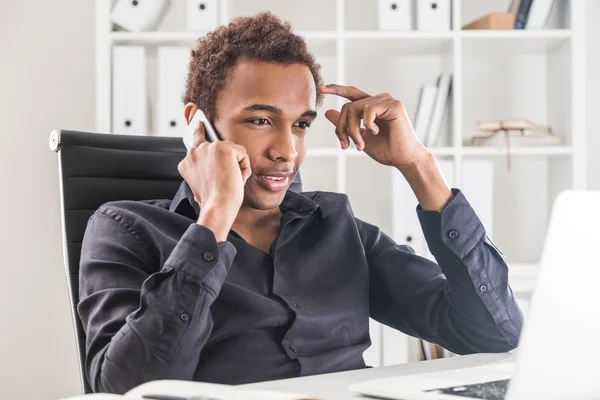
496,74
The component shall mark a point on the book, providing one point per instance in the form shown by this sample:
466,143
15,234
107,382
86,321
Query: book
187,390
512,124
424,111
523,14
539,13
502,139
513,7
442,95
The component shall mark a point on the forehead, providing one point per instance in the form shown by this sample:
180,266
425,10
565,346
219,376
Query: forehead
289,87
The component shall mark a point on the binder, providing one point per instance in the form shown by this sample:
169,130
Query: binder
130,100
406,226
201,15
478,187
139,15
172,71
539,13
395,15
523,14
434,15
395,347
372,354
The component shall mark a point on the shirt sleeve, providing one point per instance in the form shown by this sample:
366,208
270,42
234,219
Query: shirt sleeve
141,324
464,302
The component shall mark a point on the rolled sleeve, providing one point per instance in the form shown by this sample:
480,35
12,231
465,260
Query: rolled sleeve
458,241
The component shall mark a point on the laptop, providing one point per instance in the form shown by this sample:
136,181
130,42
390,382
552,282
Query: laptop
559,354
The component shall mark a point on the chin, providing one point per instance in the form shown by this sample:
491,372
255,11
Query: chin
261,199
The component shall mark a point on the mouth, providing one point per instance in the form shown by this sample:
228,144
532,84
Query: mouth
275,181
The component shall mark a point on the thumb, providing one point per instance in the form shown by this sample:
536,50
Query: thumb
333,116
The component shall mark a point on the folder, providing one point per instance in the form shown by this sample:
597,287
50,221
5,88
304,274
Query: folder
172,71
395,348
395,15
139,15
201,15
130,100
434,16
406,226
372,354
477,184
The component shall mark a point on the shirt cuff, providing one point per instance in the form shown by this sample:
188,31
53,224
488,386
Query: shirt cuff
456,228
198,252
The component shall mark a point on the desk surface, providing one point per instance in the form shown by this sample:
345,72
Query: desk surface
335,386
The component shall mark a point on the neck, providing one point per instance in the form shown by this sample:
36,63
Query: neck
248,217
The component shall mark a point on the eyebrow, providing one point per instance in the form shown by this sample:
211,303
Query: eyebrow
276,110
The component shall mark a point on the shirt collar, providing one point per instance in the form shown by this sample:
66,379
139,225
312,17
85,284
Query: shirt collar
183,203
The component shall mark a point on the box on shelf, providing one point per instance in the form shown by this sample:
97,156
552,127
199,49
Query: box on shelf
493,21
395,15
434,16
139,16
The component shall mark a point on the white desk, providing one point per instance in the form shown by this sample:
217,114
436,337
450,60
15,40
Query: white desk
335,386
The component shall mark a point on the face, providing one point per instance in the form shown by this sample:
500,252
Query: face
268,109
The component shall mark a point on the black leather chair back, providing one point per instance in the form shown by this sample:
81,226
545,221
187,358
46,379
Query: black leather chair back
95,168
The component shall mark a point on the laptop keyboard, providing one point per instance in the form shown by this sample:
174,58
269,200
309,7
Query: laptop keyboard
495,390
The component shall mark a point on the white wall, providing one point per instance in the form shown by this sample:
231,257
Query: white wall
46,82
593,93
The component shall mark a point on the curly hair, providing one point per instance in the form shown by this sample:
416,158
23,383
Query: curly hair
262,37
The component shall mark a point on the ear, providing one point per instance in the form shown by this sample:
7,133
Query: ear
199,135
188,112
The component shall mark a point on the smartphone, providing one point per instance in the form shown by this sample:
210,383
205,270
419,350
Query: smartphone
209,129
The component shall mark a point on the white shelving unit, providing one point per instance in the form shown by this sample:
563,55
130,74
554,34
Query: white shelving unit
496,74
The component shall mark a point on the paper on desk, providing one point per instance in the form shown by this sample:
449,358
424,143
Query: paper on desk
218,392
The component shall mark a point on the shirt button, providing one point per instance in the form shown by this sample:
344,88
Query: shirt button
184,317
208,256
293,349
453,234
483,288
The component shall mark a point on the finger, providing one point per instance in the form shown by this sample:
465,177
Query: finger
354,127
341,129
334,117
199,135
349,92
369,119
244,161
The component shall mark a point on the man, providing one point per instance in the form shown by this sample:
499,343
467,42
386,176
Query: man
239,280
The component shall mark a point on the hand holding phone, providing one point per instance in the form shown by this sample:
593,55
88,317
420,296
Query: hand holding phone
216,173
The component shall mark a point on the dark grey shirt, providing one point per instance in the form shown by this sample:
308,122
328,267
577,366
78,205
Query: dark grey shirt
161,299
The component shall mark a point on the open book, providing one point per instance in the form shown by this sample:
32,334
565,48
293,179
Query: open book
186,390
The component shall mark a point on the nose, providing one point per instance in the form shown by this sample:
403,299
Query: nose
283,147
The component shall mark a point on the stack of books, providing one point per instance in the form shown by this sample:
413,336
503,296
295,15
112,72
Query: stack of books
513,133
431,109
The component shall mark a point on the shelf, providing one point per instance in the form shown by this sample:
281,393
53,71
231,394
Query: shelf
160,38
451,151
479,42
406,35
334,152
517,151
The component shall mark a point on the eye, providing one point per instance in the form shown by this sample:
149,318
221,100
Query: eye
260,121
304,124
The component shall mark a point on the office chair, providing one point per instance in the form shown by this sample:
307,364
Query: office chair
95,168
